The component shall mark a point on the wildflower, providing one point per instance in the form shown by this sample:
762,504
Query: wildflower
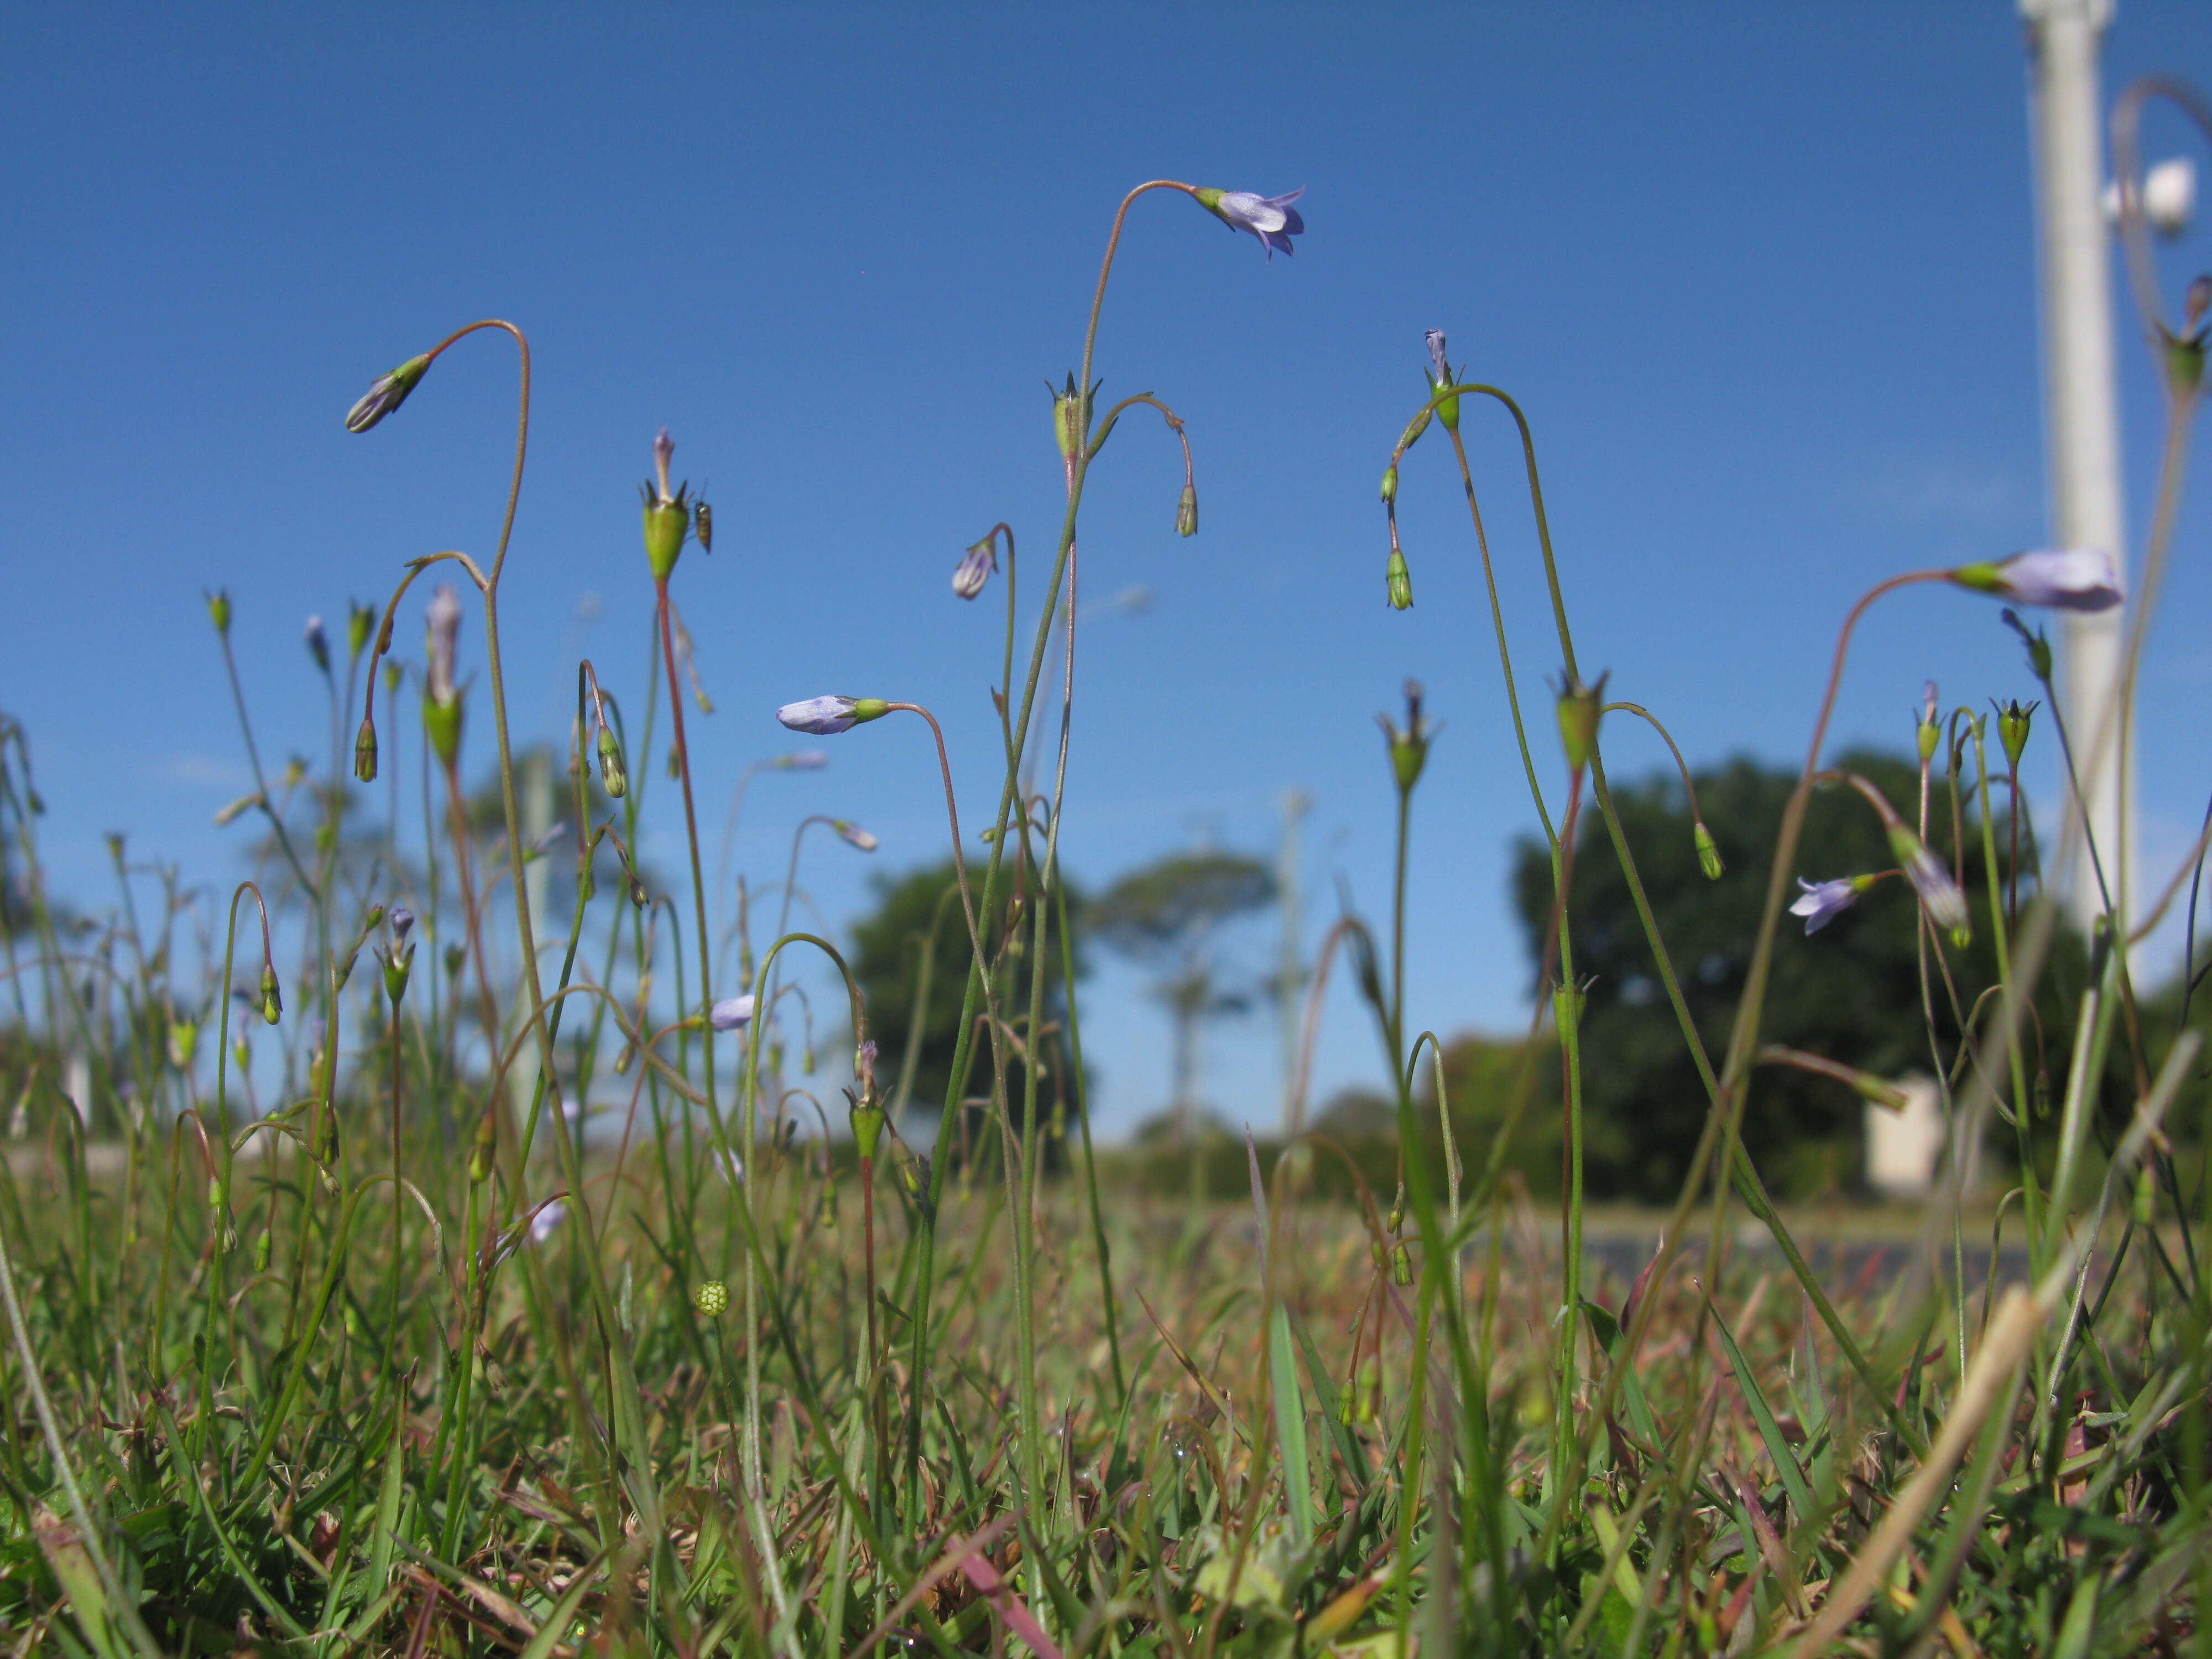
2013,726
1926,731
1440,376
386,394
2069,578
853,836
272,999
975,568
218,604
1187,511
1272,219
827,716
319,643
549,1215
803,760
667,517
1580,708
441,698
234,809
402,920
613,779
731,1014
1944,903
1822,903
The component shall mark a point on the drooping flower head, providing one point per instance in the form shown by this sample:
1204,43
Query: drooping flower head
385,393
975,568
318,642
1945,904
549,1216
853,836
1272,219
804,760
443,617
827,716
731,1013
1822,903
2067,578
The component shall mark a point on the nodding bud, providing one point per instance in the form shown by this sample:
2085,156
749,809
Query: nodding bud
638,896
1708,855
364,752
1390,483
611,777
218,604
1409,749
2012,722
710,1297
854,834
385,393
1187,511
1945,904
1398,583
731,1014
703,526
827,716
2037,644
1414,428
319,643
1581,707
272,999
976,565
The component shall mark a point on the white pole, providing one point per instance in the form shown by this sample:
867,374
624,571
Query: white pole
2081,416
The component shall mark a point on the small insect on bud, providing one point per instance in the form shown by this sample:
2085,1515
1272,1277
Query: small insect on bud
710,1297
1187,511
703,526
218,604
1708,855
272,999
1398,583
364,752
1580,708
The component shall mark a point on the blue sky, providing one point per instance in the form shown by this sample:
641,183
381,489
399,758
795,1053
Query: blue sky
1762,277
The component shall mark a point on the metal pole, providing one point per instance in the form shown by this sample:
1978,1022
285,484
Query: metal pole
2080,418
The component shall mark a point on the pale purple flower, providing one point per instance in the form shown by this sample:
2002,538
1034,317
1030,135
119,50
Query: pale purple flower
804,760
402,920
824,716
1434,337
1272,219
385,393
731,1013
854,835
443,614
1946,905
974,570
549,1216
2067,578
1822,903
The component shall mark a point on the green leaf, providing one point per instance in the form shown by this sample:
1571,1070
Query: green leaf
1290,1424
1793,1478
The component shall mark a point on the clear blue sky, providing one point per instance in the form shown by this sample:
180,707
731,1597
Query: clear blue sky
1761,276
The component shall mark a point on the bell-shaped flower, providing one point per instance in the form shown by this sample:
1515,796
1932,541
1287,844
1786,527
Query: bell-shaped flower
2067,578
731,1014
385,393
975,568
1272,219
1822,903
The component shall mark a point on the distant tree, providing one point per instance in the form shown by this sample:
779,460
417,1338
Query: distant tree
1164,915
917,917
1851,992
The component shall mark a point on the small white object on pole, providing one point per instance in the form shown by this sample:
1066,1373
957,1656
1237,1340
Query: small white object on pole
2081,415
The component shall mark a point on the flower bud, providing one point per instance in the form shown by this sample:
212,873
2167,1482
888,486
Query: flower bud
1944,903
454,956
262,1241
611,777
441,721
2013,721
272,1000
319,643
397,967
1070,418
385,393
710,1297
1401,1265
1398,583
218,604
1580,708
364,752
480,1156
867,1129
1567,1005
666,522
638,896
976,565
1409,749
361,622
1708,855
1440,375
1414,428
183,1039
1187,511
1391,483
